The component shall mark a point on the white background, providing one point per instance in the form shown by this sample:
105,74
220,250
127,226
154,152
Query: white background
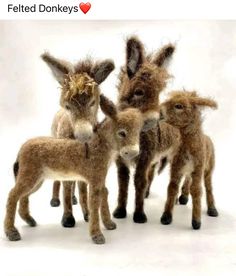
205,60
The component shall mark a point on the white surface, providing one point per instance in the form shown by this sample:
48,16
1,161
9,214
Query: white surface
205,60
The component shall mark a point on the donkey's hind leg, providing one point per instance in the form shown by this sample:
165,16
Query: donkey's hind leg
24,211
9,222
24,184
55,201
83,199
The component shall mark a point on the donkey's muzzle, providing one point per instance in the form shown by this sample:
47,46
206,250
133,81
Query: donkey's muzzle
83,131
129,152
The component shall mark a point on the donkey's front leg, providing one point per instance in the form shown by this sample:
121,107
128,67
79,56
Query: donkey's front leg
196,192
74,198
83,199
123,181
105,212
172,192
140,182
55,201
183,199
68,219
94,204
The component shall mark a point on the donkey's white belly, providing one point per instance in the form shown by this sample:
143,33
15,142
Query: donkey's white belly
57,175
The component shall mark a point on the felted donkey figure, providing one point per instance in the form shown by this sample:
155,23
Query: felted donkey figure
80,97
38,160
195,157
141,81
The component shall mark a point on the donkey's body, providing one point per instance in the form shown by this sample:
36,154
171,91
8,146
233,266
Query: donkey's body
195,156
38,160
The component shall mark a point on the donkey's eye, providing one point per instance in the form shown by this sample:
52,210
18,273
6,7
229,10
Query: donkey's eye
139,93
67,107
92,103
122,133
179,106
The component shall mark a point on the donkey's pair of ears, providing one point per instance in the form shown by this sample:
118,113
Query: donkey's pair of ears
135,55
110,110
60,68
203,102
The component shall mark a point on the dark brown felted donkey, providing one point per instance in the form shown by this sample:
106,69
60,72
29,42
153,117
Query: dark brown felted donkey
38,160
195,158
80,97
141,81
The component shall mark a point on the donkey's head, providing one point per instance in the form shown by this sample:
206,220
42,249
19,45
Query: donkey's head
143,77
80,91
183,108
126,127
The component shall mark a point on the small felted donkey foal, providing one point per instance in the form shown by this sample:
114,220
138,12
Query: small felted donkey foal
78,116
195,158
38,160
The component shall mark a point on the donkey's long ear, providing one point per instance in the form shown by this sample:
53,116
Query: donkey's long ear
59,68
107,106
163,55
102,70
204,102
134,55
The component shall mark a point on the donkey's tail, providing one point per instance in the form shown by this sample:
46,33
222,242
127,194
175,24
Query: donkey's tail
16,168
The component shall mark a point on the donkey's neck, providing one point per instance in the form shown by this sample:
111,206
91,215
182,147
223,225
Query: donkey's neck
105,133
192,130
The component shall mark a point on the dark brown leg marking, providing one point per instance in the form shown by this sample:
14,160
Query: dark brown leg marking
140,182
123,181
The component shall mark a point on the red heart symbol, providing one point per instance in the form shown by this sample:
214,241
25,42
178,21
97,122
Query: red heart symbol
85,7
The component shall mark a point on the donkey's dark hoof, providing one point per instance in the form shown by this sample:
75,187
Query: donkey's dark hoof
183,200
74,200
212,212
13,235
166,218
139,217
86,217
98,239
31,222
196,224
55,202
120,213
68,220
